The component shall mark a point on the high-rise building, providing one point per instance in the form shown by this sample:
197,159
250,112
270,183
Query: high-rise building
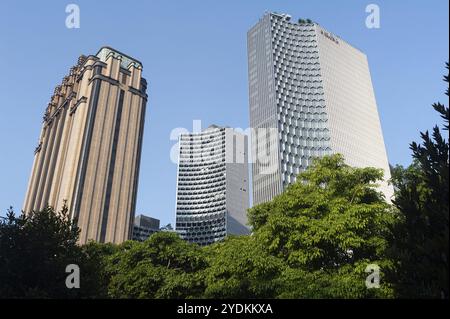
310,94
144,227
212,185
89,149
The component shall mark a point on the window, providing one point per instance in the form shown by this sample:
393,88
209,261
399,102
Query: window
124,78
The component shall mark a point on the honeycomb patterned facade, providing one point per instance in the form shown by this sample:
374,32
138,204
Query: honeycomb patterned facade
212,191
294,90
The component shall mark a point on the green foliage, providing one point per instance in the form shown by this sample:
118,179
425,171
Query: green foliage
330,224
94,265
332,209
34,252
164,266
347,281
422,196
241,268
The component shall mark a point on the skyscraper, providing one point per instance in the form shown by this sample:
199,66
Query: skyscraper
89,149
310,94
212,185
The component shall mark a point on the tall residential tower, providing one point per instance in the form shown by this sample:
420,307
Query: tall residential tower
310,94
90,146
212,185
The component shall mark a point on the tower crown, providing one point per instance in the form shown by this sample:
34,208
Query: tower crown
126,62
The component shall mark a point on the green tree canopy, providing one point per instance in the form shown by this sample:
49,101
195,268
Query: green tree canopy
240,267
330,224
164,266
420,242
34,252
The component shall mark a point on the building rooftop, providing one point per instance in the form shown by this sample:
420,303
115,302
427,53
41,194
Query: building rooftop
332,36
146,221
105,51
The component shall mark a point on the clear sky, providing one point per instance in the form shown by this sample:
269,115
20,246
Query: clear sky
195,61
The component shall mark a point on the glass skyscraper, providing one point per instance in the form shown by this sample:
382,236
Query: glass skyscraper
310,94
212,185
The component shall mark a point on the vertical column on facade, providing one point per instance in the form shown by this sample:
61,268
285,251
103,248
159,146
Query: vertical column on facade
122,187
113,126
88,189
133,152
37,162
52,124
59,116
137,164
71,89
109,153
75,139
101,152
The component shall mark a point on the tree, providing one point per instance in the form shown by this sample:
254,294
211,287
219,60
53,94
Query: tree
331,224
240,268
421,243
95,278
34,252
164,266
348,282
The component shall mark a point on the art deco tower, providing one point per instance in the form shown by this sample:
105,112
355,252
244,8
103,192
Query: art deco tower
212,185
310,94
89,149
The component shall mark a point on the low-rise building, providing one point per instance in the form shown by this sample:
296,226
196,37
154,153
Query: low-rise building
144,227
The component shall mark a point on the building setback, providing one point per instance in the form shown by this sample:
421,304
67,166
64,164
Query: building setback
310,94
89,149
212,185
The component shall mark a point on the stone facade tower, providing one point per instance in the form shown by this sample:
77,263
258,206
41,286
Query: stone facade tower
89,149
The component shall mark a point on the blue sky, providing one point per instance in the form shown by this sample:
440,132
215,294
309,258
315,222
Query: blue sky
194,56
